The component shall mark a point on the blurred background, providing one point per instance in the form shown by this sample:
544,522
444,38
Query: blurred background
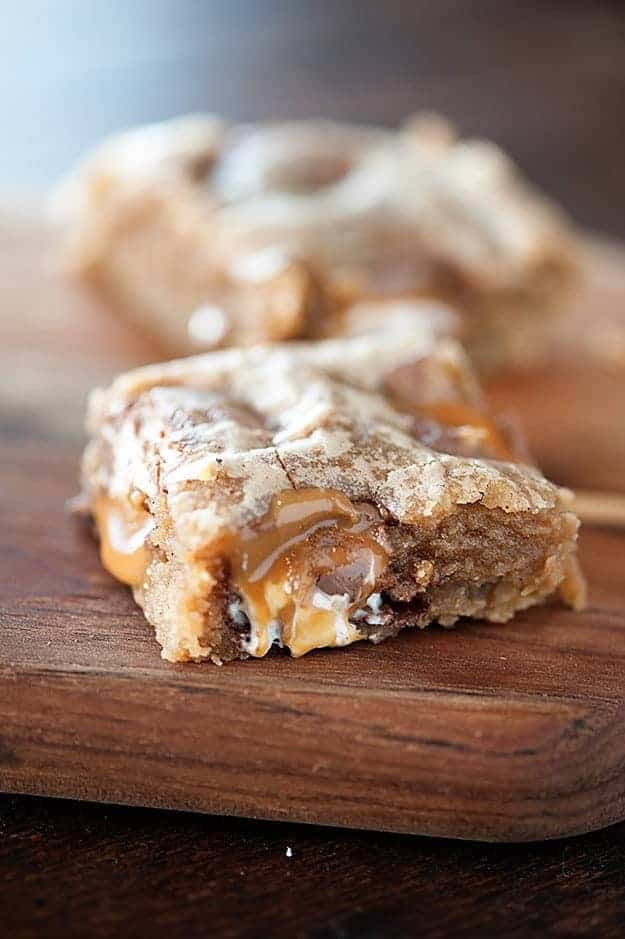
545,79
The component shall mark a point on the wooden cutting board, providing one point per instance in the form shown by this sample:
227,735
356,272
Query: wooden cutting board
501,733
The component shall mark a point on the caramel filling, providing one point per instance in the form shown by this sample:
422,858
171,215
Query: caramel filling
310,566
458,414
123,531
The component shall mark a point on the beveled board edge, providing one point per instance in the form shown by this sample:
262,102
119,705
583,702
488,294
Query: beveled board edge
459,765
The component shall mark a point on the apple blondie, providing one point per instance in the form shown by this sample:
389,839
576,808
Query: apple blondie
211,234
315,494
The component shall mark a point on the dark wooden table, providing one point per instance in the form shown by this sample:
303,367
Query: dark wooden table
78,869
545,79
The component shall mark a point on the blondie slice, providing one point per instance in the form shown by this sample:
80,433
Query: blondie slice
316,494
215,235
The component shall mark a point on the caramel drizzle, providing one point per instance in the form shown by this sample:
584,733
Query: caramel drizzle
309,537
459,414
123,531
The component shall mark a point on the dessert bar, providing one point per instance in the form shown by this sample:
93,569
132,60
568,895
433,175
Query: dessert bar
211,234
315,494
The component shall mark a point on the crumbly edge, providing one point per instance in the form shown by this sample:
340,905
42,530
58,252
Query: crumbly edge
476,563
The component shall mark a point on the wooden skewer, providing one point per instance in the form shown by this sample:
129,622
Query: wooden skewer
600,508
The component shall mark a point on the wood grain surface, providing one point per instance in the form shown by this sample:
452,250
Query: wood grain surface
499,733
